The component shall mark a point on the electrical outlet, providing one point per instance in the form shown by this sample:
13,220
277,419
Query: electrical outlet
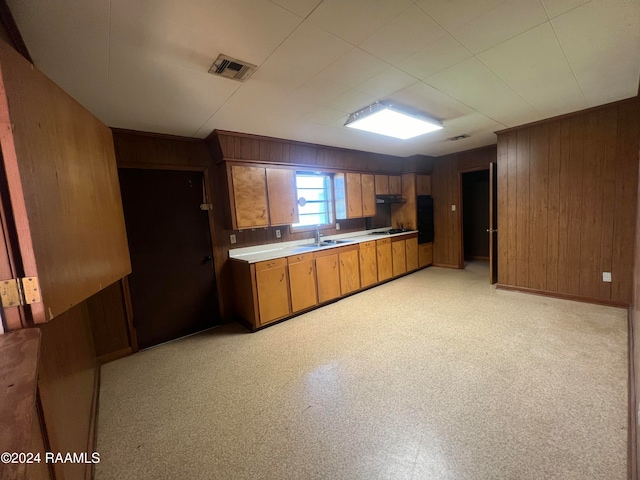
606,276
232,238
278,234
337,226
453,208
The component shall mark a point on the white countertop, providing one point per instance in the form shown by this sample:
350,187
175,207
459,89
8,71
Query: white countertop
261,253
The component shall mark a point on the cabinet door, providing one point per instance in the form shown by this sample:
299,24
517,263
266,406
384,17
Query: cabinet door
385,271
395,185
354,195
399,257
368,264
425,254
328,275
411,247
349,272
272,284
368,195
281,190
302,278
423,185
249,196
382,184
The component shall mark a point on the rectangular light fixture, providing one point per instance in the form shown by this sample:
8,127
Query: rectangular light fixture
391,121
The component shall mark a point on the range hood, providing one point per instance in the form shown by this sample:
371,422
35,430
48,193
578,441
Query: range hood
390,199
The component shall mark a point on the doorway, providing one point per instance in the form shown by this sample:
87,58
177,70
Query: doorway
172,284
475,215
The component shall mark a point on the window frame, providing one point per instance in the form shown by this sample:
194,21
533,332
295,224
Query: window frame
331,203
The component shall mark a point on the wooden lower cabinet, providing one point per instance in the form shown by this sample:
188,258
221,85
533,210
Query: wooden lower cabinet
272,285
302,279
383,249
349,271
368,264
425,254
399,258
328,276
411,250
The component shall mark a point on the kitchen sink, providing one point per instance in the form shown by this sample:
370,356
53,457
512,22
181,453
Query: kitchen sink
335,242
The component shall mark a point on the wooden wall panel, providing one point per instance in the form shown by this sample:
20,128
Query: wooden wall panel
571,188
62,179
634,352
67,383
109,322
446,191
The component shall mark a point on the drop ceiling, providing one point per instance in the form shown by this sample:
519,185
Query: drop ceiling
476,65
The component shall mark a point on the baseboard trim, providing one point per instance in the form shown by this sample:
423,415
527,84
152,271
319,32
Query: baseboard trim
485,259
633,414
89,472
445,265
110,357
563,296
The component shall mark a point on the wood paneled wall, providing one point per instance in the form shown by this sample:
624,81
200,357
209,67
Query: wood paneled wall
634,350
567,191
67,386
109,323
446,191
135,148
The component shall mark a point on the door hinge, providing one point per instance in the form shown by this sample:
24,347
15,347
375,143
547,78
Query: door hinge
20,291
206,206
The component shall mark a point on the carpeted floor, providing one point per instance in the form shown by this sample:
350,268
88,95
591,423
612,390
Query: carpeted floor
436,375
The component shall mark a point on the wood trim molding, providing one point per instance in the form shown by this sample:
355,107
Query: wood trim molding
446,265
567,115
632,429
165,136
9,24
110,357
563,296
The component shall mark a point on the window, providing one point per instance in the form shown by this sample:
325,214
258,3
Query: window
314,199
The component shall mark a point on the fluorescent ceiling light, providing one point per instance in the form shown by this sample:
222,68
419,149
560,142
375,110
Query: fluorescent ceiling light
391,121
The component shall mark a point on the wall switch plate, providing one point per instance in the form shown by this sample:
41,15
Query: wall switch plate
453,208
606,276
278,234
232,238
337,226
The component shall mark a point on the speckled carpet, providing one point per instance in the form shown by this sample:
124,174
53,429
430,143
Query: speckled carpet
436,375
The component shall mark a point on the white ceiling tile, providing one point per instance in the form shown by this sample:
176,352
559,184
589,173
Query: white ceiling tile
355,20
534,66
505,21
66,22
558,7
453,14
431,102
351,101
354,68
324,116
406,34
384,84
606,60
434,58
301,8
473,84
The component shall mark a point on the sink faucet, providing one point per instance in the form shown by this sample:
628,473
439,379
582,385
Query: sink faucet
318,235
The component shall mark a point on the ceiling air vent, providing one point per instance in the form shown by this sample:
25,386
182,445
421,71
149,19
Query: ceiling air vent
459,137
232,68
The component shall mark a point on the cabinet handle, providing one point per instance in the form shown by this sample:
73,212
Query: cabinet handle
341,263
310,270
282,277
365,206
263,212
335,264
361,258
293,211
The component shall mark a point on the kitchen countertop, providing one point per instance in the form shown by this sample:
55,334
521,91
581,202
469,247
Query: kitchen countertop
272,251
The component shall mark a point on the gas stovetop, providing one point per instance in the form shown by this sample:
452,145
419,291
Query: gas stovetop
390,232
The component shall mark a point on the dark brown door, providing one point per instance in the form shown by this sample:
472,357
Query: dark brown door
172,284
493,222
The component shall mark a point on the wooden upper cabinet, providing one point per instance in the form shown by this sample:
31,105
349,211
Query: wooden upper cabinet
249,197
423,185
368,195
281,192
348,195
395,185
63,210
382,184
272,285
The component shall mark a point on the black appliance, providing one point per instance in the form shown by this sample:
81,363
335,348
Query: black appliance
425,218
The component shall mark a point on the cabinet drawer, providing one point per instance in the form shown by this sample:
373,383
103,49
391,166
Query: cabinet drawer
278,262
305,257
383,241
370,244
